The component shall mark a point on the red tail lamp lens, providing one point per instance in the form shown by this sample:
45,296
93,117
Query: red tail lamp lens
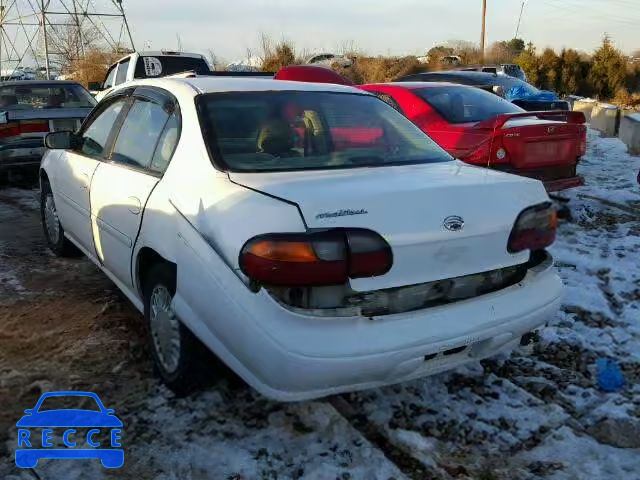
317,258
535,229
26,126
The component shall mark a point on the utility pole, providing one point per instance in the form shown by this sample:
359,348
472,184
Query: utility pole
520,18
484,28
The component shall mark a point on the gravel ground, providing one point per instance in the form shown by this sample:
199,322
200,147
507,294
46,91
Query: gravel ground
63,325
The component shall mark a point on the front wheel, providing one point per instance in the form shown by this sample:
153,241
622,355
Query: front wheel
53,231
178,356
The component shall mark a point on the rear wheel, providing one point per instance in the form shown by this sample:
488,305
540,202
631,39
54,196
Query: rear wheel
178,356
53,231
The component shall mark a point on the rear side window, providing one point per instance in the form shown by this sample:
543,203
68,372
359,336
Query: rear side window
121,76
95,136
166,145
139,134
465,104
388,99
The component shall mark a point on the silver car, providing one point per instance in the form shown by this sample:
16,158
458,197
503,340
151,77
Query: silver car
29,110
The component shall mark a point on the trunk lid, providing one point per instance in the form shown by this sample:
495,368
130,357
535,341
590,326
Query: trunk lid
538,140
409,206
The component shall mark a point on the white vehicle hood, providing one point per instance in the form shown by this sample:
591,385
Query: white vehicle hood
408,206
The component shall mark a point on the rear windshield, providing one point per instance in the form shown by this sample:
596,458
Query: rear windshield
28,97
466,104
163,65
276,131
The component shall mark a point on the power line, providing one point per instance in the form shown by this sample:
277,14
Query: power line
520,18
592,14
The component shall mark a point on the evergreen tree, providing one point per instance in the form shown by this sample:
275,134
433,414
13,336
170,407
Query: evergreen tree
528,61
609,70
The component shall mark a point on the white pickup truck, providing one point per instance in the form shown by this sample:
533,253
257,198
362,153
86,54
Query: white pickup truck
149,65
140,65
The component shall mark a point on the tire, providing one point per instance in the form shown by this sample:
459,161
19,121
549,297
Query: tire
53,231
180,362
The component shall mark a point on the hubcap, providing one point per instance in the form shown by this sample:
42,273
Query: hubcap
51,219
165,329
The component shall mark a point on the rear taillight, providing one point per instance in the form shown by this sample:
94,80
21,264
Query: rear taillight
25,126
329,257
582,145
490,152
534,229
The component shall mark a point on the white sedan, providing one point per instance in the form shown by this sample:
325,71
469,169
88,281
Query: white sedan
309,235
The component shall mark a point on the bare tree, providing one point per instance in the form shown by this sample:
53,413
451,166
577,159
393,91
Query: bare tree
348,48
214,60
69,42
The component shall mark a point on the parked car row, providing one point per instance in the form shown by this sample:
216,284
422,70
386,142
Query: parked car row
479,127
310,235
331,237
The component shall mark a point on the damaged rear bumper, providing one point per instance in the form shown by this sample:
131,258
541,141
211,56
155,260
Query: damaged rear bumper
290,356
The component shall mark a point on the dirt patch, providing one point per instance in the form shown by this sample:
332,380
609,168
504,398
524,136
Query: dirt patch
63,324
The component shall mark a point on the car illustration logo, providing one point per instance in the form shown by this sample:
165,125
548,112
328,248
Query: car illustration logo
550,130
81,426
454,223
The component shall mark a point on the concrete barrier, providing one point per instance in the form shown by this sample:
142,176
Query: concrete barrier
606,119
630,132
572,99
584,105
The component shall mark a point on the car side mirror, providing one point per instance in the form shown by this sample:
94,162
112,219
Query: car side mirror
109,411
60,140
95,86
29,410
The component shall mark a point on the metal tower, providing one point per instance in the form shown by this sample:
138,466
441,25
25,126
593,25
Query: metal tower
46,35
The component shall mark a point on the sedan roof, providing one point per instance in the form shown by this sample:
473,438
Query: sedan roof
236,84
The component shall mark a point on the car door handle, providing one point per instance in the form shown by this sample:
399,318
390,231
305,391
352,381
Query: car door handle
135,205
84,181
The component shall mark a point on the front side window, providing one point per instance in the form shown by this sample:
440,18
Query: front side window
121,76
139,134
45,95
111,76
465,104
93,141
298,130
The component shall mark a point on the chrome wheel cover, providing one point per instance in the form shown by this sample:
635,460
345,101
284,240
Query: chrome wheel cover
52,223
165,329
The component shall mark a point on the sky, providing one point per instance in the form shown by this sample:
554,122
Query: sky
375,27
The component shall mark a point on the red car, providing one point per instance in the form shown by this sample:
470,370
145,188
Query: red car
481,128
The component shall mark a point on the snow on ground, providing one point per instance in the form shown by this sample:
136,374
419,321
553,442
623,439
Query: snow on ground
227,434
512,417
